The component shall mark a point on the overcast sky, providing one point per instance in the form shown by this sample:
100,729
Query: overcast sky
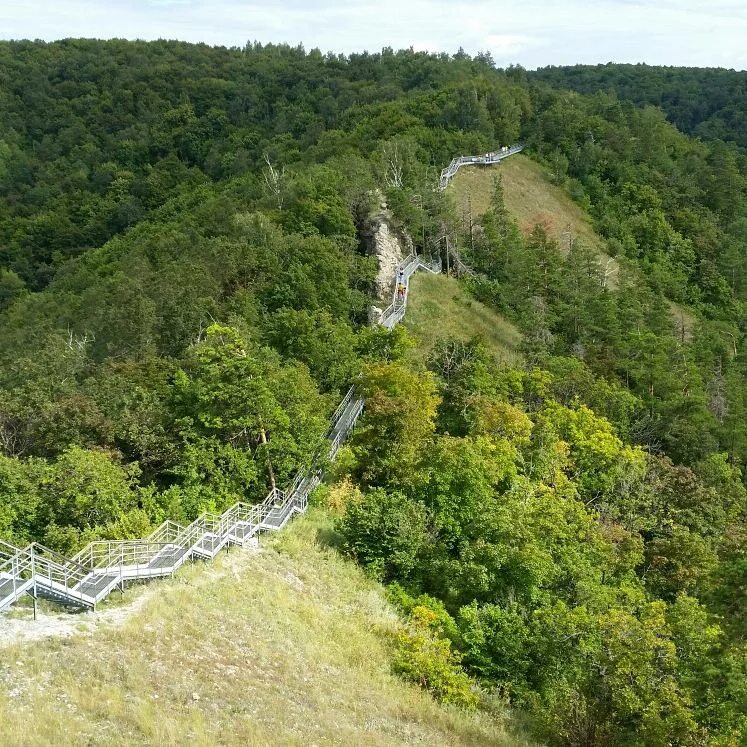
528,32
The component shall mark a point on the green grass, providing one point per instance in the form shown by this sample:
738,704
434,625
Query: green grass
289,645
439,307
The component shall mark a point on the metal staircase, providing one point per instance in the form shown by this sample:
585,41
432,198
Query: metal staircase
488,159
393,313
102,566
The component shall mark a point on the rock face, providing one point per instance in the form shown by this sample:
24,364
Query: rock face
375,315
388,245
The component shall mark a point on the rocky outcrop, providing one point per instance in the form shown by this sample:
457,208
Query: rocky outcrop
389,245
375,315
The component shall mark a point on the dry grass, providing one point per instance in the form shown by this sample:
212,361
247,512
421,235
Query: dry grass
283,646
439,307
531,198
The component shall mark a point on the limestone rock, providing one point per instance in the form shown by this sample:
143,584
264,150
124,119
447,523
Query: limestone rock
388,245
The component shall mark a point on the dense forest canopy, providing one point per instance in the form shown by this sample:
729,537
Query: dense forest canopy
184,296
92,142
710,103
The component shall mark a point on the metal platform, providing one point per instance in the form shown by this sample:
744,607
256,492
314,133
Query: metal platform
488,159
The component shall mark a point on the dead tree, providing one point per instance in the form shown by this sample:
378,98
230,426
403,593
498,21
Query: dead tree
393,164
274,181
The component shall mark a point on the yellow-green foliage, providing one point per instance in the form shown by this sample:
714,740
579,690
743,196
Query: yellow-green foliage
425,657
600,460
498,419
341,494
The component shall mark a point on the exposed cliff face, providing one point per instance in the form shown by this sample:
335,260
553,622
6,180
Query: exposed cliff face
389,245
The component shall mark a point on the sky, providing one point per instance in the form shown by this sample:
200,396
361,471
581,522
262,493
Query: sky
532,33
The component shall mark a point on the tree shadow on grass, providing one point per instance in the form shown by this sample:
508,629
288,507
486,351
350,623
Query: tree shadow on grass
329,537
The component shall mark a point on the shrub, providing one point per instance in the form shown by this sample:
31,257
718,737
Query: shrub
384,532
424,657
341,494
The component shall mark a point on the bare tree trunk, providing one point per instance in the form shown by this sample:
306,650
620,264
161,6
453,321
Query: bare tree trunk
393,165
274,181
271,472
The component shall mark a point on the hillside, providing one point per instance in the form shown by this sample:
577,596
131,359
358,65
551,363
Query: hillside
531,198
440,308
185,288
285,645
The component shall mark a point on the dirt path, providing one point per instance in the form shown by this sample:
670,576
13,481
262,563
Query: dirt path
66,624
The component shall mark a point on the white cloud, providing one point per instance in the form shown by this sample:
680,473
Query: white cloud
509,43
532,32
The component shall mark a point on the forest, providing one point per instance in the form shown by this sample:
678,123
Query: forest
709,103
184,294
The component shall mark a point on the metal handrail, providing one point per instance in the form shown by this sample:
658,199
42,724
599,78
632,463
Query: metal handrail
341,407
104,564
167,531
488,159
110,553
57,558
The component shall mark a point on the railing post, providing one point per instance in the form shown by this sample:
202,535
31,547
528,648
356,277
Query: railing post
33,575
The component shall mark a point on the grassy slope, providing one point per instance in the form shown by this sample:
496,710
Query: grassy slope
284,646
439,307
532,198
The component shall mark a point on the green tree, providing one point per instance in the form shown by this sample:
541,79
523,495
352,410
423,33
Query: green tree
81,493
242,414
398,423
385,532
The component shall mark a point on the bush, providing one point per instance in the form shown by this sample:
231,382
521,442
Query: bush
422,656
384,532
341,495
439,621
